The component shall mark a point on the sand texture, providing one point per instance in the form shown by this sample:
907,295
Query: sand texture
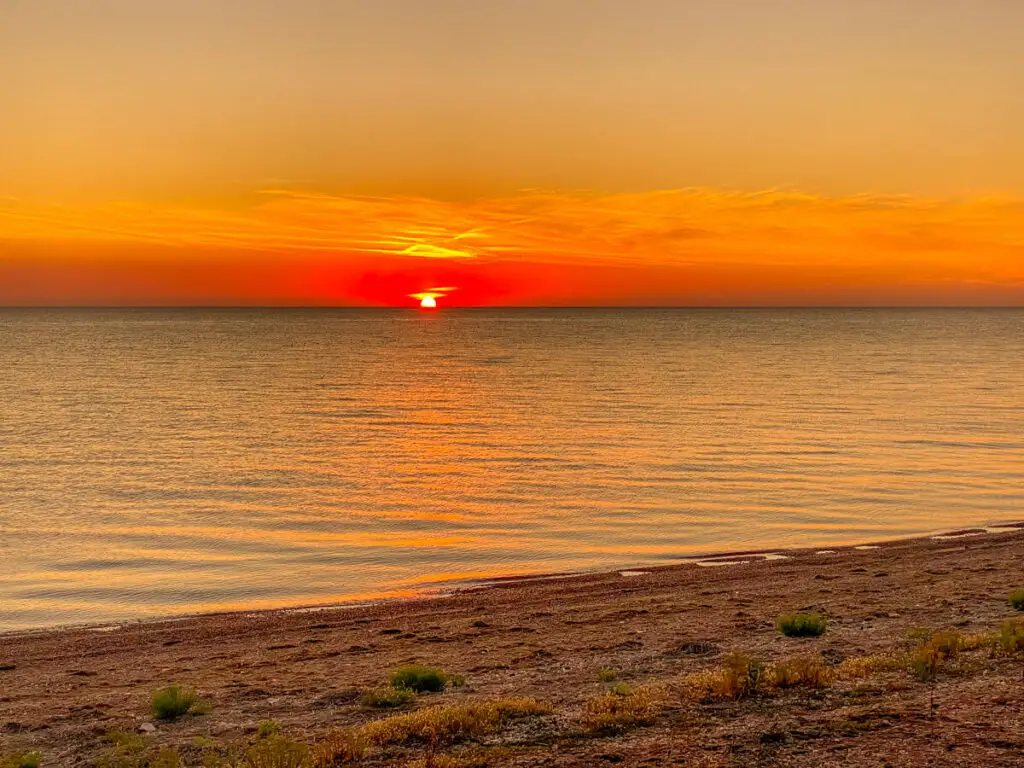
62,691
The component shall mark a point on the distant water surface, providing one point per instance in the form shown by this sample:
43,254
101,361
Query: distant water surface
155,462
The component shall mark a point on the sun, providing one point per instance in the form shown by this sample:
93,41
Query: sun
429,296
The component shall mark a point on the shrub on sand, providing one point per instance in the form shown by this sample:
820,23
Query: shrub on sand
801,624
22,760
343,747
125,741
738,677
446,724
133,750
1011,637
419,678
173,701
480,758
802,672
277,752
859,667
976,640
929,657
606,675
623,708
388,697
268,729
1017,599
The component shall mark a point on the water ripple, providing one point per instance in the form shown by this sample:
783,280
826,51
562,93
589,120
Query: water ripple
158,462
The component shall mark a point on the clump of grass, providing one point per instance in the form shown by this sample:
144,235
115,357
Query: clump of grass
22,760
1011,637
1016,599
860,667
132,750
480,758
606,675
277,752
739,676
172,702
978,640
420,679
803,672
340,748
125,741
933,654
447,724
924,663
388,697
619,710
268,729
801,624
167,757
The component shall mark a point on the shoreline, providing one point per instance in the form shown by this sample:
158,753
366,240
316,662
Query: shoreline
69,692
458,586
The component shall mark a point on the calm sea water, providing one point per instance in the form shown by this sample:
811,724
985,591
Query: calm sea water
161,462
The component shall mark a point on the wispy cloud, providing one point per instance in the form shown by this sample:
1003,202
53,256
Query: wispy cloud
874,239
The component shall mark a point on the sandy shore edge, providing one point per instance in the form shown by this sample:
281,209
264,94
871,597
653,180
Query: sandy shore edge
457,587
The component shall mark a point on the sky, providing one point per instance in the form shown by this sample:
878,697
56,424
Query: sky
529,152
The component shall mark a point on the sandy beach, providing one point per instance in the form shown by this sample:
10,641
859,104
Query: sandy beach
63,692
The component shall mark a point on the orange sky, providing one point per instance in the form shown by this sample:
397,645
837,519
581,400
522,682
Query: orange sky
535,152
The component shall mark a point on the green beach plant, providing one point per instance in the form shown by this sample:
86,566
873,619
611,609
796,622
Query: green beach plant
449,724
802,672
32,759
420,679
738,677
801,624
133,750
1011,637
172,702
1016,599
277,752
388,697
935,653
268,729
860,667
623,708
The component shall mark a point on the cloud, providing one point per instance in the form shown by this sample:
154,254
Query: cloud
680,240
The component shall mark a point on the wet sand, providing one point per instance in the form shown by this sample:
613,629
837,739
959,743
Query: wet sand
62,690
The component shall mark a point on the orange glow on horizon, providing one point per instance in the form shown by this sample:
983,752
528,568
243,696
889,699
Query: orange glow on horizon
672,247
428,302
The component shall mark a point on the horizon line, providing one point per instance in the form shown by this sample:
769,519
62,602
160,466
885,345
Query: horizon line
451,308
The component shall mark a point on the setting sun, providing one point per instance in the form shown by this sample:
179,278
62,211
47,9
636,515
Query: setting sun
428,302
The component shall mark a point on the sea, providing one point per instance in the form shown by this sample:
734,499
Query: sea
157,462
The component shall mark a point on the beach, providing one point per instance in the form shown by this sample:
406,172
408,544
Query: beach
63,692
